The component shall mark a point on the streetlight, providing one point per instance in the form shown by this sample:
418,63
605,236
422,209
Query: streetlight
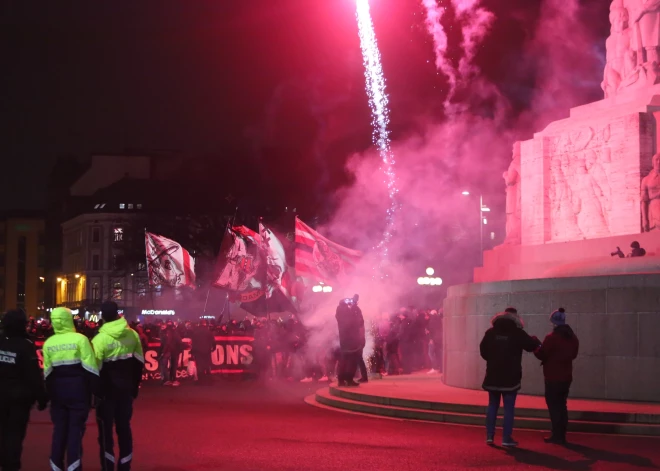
430,271
77,275
482,222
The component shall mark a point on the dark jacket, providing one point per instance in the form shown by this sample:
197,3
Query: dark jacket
502,348
559,349
171,343
203,340
20,373
351,328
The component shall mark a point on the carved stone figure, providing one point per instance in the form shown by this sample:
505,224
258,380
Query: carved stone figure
647,28
633,48
651,197
621,57
512,181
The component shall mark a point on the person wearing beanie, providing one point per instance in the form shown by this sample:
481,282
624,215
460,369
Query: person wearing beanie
559,349
71,380
502,348
22,386
120,358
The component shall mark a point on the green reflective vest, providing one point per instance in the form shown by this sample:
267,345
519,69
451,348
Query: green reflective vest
70,348
116,341
67,347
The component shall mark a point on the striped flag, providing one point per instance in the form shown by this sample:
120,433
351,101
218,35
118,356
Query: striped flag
321,259
168,263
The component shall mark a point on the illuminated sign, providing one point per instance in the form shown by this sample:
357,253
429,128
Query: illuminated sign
155,312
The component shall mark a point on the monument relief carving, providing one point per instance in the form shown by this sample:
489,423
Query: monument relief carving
651,197
633,48
580,188
512,182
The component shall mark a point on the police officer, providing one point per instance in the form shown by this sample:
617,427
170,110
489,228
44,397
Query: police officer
119,354
22,385
71,380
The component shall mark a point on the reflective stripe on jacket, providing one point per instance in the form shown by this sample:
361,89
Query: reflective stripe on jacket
67,347
119,356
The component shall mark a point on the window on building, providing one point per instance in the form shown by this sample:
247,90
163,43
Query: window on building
96,291
142,288
117,291
142,266
96,235
21,271
122,206
139,206
119,234
130,205
96,262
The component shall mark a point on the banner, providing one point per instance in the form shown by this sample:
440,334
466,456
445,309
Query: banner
321,259
168,263
232,355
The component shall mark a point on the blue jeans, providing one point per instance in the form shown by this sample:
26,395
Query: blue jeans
509,399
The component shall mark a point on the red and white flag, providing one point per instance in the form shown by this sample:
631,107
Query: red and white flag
239,262
321,259
275,261
168,263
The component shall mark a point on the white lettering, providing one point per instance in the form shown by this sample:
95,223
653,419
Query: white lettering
246,354
156,312
218,356
7,359
151,360
232,354
9,354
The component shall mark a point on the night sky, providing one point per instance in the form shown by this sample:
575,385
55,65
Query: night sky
258,82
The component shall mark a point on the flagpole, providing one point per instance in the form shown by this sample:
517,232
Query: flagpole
265,264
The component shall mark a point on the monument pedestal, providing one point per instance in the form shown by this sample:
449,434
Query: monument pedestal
616,318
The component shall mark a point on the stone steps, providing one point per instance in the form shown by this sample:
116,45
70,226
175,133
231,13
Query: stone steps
474,414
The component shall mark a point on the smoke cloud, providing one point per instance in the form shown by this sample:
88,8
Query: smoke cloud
469,147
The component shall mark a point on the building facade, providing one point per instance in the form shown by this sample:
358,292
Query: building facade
100,261
22,260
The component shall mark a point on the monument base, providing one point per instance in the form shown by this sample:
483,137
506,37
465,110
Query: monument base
565,259
616,319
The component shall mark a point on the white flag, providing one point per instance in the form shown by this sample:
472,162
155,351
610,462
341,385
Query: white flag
275,260
168,263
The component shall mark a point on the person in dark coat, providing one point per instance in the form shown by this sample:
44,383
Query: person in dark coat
22,386
559,349
350,324
502,348
203,345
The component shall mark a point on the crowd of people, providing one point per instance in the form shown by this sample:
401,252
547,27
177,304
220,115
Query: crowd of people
405,341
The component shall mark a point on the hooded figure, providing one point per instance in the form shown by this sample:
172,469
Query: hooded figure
502,348
120,358
71,379
22,385
559,349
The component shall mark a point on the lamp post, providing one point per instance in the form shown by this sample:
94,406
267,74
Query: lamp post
482,222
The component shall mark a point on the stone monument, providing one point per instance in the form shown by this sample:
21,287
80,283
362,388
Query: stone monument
578,190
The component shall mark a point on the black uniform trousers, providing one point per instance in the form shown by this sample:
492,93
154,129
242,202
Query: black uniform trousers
115,412
14,418
69,423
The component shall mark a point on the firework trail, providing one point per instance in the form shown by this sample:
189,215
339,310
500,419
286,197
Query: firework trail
475,22
378,102
434,14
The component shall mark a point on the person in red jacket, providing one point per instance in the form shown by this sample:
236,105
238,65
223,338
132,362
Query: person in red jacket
559,349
